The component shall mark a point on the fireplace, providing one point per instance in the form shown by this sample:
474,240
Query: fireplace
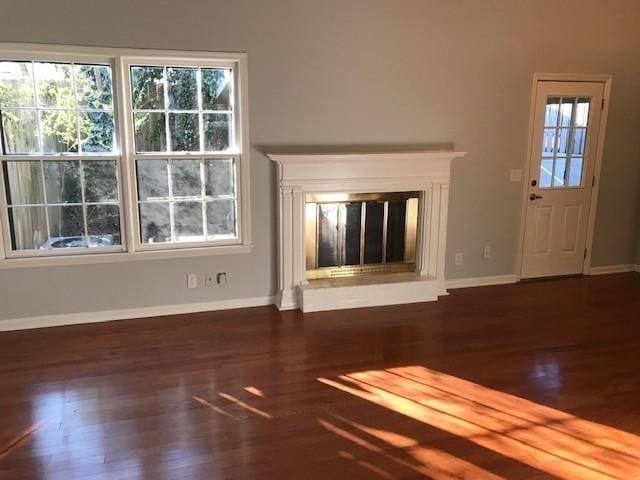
349,234
361,229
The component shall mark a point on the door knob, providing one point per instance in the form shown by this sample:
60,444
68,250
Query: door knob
533,197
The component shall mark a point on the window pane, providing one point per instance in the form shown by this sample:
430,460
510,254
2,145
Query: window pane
93,86
221,219
153,180
185,132
188,221
55,86
147,87
103,225
23,183
563,141
20,131
155,222
59,131
579,138
216,131
183,88
582,112
558,175
566,111
219,177
549,141
575,172
16,84
62,180
28,227
551,112
66,225
546,169
216,85
96,131
185,178
100,181
150,132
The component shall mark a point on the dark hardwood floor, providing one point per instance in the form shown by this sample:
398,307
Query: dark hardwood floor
535,380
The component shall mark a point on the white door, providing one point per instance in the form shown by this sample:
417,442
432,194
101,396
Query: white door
565,136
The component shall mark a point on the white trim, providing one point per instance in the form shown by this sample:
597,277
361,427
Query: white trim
88,259
481,281
613,269
25,323
606,80
424,171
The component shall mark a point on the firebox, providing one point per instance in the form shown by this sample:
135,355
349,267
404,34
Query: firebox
349,234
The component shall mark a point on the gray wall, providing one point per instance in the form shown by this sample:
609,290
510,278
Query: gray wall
332,72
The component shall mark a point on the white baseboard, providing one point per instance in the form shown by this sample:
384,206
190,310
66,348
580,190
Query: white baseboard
614,269
124,314
481,281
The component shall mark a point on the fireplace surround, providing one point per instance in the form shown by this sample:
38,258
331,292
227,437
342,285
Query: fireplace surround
403,191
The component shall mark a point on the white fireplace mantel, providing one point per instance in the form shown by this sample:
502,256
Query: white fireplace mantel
427,172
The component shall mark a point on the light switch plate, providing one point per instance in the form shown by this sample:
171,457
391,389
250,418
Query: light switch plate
515,176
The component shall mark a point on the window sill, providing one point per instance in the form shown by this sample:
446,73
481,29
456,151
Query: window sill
97,258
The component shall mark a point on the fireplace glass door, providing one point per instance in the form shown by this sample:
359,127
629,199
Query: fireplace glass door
358,234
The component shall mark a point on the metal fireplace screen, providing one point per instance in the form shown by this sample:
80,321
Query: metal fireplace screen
359,234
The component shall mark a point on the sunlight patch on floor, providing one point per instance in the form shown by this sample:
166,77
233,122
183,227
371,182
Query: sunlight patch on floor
546,439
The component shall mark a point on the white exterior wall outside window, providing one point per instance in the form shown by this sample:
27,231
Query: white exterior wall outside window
139,152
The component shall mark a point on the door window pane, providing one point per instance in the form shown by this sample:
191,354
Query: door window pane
546,170
551,112
559,173
575,172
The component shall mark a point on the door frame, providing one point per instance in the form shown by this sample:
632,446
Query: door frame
606,81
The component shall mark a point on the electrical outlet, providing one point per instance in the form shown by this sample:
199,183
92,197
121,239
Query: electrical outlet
486,253
221,278
459,259
192,280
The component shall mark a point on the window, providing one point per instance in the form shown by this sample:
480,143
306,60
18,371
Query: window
183,124
107,151
59,159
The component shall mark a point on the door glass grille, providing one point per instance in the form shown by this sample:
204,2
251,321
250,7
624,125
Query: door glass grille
564,142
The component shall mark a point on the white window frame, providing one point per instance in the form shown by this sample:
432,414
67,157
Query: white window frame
132,249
